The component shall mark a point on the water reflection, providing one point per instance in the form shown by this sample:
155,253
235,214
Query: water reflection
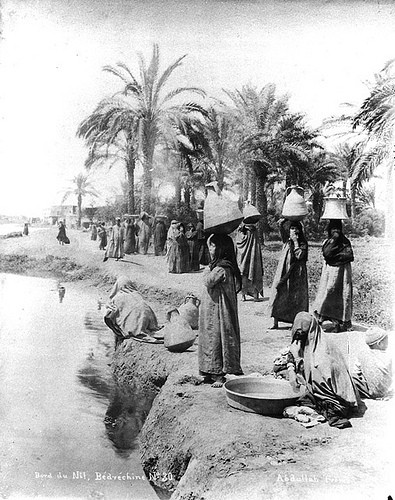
125,417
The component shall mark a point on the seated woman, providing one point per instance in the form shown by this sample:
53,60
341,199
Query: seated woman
316,362
129,315
372,374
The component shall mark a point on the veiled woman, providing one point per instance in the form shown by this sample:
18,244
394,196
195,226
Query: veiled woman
219,331
116,242
129,315
192,237
335,291
249,260
130,236
289,293
316,361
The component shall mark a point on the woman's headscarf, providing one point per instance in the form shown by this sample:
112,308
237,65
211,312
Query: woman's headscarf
122,284
225,255
337,250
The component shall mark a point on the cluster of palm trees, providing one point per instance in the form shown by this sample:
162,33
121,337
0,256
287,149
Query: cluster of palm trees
249,140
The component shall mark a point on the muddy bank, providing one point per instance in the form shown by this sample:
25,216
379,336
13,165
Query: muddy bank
193,444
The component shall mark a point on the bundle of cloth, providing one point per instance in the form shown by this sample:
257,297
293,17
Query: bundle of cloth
130,316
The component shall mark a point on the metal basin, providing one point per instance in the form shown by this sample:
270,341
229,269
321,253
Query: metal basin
263,395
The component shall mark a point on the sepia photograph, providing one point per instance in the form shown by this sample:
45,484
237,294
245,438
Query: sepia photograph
197,228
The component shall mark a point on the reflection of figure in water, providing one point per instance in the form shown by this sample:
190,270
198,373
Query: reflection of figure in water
125,417
61,292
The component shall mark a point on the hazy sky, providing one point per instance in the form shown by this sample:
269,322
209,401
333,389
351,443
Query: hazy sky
52,53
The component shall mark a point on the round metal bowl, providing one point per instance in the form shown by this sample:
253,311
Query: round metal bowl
266,396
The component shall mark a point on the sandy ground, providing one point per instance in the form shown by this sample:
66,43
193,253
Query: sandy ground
221,452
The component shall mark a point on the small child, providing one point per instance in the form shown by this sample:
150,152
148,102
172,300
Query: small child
219,331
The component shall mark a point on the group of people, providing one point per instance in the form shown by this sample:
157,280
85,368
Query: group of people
313,358
290,293
185,247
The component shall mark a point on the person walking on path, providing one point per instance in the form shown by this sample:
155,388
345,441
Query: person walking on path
130,236
249,260
159,237
26,229
219,331
192,237
335,290
102,233
93,232
144,233
62,237
116,242
289,294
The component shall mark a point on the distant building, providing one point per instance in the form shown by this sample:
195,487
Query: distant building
66,213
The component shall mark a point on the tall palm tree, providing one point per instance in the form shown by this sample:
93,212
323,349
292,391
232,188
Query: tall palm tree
152,107
80,188
111,132
377,117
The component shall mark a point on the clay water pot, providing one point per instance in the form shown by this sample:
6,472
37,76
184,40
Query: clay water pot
190,311
251,214
294,207
335,208
221,213
177,333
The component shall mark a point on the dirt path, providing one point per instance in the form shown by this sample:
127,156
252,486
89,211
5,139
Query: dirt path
221,452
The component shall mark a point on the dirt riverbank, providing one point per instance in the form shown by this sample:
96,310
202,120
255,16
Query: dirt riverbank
193,444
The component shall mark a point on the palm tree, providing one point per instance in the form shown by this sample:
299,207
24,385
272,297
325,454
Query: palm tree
377,117
153,110
80,188
111,132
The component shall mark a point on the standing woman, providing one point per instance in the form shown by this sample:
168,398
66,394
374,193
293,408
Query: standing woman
26,229
249,260
93,232
334,296
184,249
192,237
101,231
289,293
130,236
219,331
159,237
116,242
144,231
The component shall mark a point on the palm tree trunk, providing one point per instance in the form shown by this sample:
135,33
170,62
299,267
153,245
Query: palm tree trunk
253,183
130,173
246,182
261,205
389,209
352,203
79,198
177,186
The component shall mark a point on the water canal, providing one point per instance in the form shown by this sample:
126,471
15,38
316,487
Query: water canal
66,429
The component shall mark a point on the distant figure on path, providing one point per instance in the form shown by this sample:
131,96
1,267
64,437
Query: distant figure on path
26,229
159,237
144,233
204,257
115,244
61,237
130,236
249,260
335,291
192,237
93,232
184,249
289,293
101,231
173,254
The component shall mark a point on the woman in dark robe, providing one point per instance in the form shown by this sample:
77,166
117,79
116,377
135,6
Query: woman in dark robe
289,293
219,331
62,237
93,232
144,231
192,237
184,249
249,260
26,229
315,361
204,256
101,231
159,237
335,291
130,237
